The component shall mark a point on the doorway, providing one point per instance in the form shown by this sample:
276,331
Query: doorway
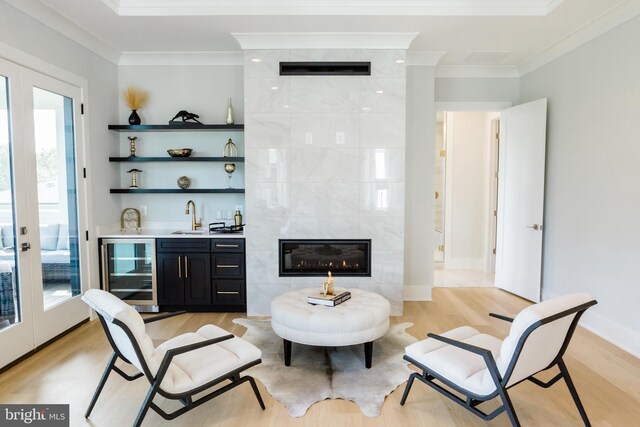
42,262
465,198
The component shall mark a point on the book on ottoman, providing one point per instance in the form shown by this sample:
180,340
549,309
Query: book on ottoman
329,300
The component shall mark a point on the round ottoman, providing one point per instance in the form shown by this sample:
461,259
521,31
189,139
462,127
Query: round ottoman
359,320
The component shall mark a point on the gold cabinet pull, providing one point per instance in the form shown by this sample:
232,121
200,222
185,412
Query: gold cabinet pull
225,245
179,267
227,266
186,267
228,293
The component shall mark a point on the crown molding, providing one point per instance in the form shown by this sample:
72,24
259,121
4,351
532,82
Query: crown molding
181,58
67,28
333,7
324,40
610,19
424,58
477,71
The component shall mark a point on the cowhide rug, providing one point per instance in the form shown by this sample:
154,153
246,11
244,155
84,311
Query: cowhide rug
318,373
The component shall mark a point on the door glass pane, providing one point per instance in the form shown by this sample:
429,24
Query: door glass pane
57,196
441,133
9,291
129,269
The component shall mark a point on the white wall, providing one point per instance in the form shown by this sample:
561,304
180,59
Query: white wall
420,181
477,89
200,89
592,208
467,179
29,36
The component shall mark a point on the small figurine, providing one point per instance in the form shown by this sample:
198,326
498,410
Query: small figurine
327,286
185,116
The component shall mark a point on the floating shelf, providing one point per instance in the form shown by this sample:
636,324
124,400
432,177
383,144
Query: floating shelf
175,127
176,159
176,190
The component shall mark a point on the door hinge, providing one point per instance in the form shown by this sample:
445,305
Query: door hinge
86,234
495,212
84,172
497,136
440,248
82,108
494,251
443,153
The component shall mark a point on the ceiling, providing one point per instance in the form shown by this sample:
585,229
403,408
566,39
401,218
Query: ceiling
516,33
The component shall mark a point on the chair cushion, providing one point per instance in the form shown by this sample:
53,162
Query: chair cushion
544,343
195,368
112,307
49,237
63,238
463,368
7,236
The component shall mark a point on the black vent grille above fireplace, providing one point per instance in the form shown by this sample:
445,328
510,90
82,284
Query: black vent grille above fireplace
325,68
315,257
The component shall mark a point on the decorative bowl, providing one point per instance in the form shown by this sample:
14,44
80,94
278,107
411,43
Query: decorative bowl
179,152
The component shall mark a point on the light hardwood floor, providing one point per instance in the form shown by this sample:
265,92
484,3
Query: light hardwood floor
607,378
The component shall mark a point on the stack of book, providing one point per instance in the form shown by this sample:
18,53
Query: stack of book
329,300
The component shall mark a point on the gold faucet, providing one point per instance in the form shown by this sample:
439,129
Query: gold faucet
194,224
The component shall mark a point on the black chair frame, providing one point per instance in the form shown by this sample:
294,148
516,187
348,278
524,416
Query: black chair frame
472,400
185,398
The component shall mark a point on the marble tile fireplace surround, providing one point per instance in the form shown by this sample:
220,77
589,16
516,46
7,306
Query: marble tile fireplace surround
325,159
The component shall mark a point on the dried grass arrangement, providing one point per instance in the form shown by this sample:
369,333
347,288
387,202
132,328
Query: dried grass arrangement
135,98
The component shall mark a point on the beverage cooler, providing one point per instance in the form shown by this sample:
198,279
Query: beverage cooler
128,271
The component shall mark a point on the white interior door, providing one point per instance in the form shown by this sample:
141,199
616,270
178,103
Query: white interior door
521,199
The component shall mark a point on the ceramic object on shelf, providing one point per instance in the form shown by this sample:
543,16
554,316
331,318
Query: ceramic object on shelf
230,118
134,118
180,152
184,182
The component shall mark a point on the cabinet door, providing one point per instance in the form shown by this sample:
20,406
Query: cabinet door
170,279
197,279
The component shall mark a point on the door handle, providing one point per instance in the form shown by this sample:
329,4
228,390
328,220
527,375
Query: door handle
535,226
186,267
24,247
179,267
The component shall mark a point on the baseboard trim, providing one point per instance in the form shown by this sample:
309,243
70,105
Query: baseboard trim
417,293
613,332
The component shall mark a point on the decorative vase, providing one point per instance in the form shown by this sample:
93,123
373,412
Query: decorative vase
134,118
230,118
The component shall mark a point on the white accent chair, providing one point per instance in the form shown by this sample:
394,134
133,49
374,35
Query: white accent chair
482,367
178,368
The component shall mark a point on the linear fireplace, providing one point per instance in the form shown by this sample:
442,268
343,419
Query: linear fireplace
315,257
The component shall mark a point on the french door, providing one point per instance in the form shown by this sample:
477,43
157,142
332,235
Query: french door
42,272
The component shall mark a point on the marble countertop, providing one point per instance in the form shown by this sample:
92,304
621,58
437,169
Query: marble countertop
165,233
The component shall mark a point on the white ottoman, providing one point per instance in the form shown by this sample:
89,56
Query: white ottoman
360,320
